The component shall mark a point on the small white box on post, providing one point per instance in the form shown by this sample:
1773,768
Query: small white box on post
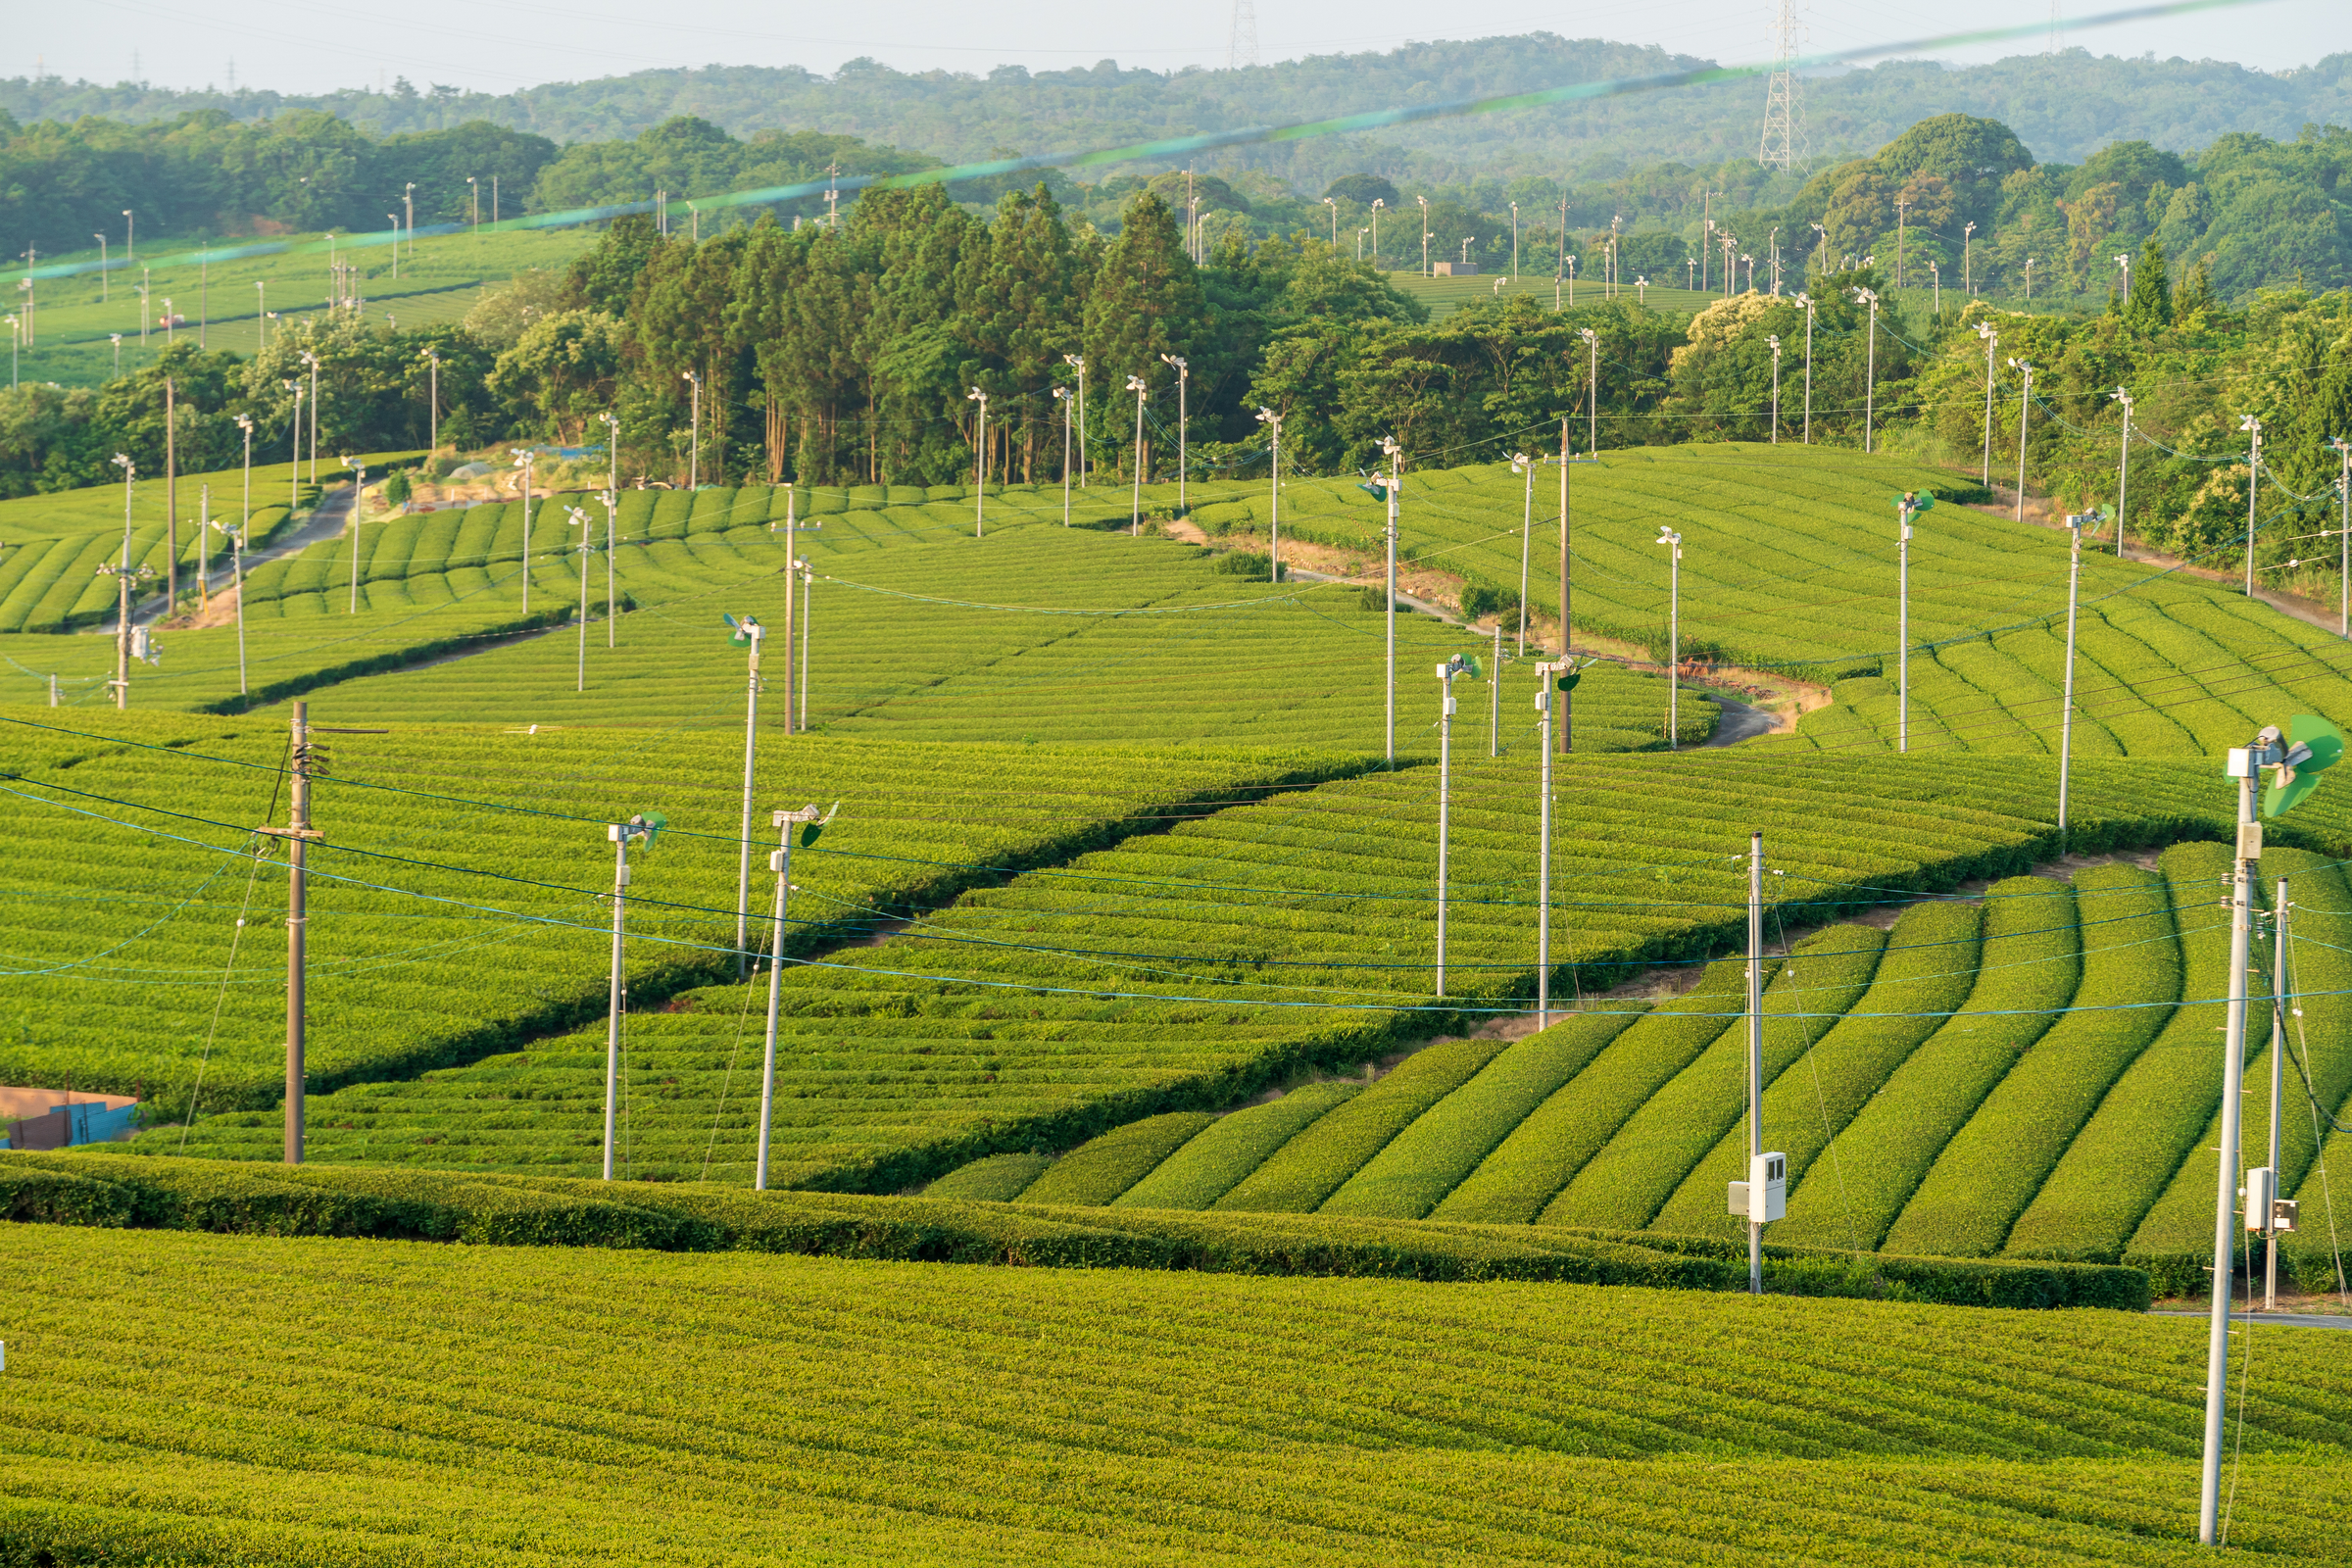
1764,1197
2262,1197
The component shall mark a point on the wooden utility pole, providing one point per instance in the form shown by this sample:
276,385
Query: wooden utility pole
297,833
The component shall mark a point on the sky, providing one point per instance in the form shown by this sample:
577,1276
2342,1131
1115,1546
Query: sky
501,45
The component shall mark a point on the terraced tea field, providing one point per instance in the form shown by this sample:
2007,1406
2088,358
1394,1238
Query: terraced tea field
202,1397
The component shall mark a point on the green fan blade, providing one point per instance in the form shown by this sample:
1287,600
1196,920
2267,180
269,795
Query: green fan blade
1378,491
2327,743
809,832
1568,682
655,823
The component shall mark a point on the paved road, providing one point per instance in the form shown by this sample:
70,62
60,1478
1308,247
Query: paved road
334,512
2292,1320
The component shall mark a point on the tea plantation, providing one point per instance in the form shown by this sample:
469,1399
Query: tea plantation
1123,956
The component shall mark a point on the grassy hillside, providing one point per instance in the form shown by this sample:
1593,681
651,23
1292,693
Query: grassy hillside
201,1398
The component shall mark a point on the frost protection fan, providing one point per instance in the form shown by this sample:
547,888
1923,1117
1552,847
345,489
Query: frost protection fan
2313,745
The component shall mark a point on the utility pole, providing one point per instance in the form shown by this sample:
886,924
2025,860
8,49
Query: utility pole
1755,1055
780,862
612,425
1992,344
1591,387
808,592
1495,697
579,520
2253,428
1806,300
1870,375
1674,633
298,833
980,460
1446,673
170,496
2344,577
2123,468
2279,1005
2074,524
1079,364
2248,764
525,457
432,400
1396,457
1906,507
1545,676
1273,423
1525,467
792,528
748,634
2025,406
1062,395
1773,341
694,447
1566,739
1183,383
1139,386
620,835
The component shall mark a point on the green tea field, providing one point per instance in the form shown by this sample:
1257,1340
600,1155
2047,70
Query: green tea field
1150,945
209,1399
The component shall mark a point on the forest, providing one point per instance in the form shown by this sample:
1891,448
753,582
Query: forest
857,354
2066,105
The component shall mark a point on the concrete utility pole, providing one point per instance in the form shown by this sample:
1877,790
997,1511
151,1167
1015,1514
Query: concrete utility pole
1546,678
1567,725
1674,633
1273,423
1184,377
2025,406
1992,345
170,496
2343,580
2123,468
2248,764
620,835
1755,1054
980,464
1396,457
810,824
2253,429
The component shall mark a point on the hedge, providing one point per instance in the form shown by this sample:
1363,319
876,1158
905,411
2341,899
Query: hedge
161,1191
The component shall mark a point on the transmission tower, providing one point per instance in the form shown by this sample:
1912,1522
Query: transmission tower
1785,145
1242,49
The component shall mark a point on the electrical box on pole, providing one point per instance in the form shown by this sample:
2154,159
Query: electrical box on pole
1764,1197
2262,1193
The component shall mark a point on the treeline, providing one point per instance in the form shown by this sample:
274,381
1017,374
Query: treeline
2067,105
204,176
850,355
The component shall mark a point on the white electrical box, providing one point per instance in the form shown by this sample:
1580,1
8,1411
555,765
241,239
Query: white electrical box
2262,1195
2242,762
1764,1197
2249,840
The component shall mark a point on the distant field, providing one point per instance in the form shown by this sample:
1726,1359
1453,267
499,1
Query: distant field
439,283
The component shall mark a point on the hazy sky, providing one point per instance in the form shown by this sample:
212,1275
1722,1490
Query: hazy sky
497,45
